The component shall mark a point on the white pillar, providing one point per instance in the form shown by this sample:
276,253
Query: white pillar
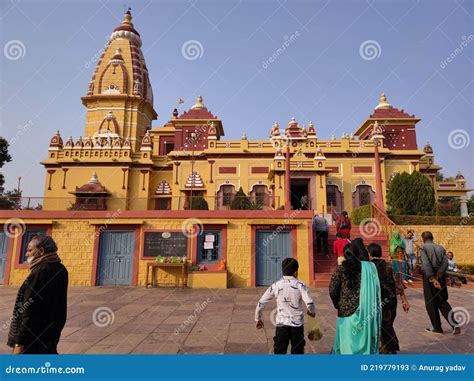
463,201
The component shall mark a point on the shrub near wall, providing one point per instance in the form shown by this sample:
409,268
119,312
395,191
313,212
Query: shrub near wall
360,214
433,220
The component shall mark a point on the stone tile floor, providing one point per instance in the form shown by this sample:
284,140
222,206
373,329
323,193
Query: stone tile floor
172,320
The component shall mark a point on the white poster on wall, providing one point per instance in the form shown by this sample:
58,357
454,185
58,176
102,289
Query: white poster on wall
208,245
210,238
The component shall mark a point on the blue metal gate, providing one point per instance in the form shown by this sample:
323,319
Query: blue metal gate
3,254
271,248
116,258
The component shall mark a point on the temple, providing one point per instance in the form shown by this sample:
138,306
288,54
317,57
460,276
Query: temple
127,194
137,166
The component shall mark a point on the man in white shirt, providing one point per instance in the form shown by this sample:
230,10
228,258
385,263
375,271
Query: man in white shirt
289,293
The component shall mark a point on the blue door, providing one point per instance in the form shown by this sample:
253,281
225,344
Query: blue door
271,249
116,258
3,254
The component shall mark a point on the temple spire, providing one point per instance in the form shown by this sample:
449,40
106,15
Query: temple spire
383,102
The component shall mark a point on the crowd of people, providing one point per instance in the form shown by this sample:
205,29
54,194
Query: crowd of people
364,290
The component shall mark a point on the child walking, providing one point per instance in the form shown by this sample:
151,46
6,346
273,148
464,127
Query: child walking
289,293
338,247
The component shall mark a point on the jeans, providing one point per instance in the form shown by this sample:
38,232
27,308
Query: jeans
411,265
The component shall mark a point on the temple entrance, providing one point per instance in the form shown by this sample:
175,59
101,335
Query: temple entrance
300,194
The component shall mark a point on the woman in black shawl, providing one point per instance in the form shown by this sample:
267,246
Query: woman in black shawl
390,287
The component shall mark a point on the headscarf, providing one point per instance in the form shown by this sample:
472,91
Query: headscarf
396,241
359,249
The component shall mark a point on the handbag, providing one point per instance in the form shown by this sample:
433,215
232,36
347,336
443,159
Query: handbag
314,330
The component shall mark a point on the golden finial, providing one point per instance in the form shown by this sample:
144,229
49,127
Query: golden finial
127,18
383,102
199,103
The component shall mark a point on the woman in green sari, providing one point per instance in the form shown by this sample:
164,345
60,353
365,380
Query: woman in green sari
355,292
398,256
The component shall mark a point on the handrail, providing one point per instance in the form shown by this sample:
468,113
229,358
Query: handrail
386,224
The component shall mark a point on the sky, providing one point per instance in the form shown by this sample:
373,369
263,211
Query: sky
254,63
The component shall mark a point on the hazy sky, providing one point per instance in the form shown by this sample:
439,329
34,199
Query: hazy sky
338,57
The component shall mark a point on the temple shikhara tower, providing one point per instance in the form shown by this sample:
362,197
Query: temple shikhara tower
122,161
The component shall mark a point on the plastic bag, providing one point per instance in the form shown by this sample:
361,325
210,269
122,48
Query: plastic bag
314,330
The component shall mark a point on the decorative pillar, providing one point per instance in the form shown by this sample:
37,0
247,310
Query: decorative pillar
378,181
287,177
464,211
177,163
50,172
64,177
377,138
211,163
124,170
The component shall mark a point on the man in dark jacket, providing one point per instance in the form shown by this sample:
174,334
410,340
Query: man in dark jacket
434,264
40,308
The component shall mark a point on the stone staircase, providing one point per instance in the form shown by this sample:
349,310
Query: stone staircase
324,267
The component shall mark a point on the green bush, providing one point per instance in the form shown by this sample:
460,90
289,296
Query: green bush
359,214
432,220
240,201
199,203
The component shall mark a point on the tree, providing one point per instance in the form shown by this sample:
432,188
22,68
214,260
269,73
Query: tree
470,204
411,194
199,203
10,200
4,158
240,201
449,206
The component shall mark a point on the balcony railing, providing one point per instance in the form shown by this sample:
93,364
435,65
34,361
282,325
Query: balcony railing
183,202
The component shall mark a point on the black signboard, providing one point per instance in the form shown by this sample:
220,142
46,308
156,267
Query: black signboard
165,244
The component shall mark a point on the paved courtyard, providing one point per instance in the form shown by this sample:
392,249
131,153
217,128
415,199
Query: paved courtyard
169,320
